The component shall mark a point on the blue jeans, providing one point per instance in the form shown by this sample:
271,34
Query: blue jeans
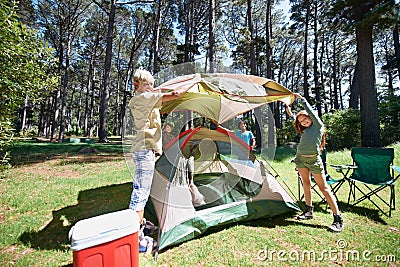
145,162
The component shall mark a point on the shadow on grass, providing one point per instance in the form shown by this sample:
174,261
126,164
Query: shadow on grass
281,221
270,222
102,200
93,202
284,153
32,151
371,214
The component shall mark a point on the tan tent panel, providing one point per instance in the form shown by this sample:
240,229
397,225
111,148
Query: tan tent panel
223,96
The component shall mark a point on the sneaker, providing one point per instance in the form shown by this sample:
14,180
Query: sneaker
142,242
142,249
307,213
147,244
147,227
337,225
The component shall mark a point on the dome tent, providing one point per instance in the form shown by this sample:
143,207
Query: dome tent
208,177
233,188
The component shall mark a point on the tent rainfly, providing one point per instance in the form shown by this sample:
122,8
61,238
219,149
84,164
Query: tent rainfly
223,96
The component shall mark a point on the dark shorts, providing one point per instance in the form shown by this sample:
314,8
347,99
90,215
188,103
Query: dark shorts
314,164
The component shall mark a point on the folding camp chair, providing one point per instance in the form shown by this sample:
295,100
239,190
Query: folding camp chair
374,172
333,183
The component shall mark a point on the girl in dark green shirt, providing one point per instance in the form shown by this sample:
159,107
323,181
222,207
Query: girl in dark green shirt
308,161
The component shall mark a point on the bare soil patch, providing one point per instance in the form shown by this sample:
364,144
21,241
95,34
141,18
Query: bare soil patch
69,166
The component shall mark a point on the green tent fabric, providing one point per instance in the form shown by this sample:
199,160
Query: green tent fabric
223,96
235,186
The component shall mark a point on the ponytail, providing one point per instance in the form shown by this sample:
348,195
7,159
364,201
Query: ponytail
323,142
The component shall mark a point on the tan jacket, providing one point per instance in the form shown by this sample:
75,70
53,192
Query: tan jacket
145,108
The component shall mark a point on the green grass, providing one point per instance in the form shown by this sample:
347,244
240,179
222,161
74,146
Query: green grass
52,186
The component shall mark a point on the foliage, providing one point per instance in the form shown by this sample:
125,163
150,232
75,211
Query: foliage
6,139
24,72
343,126
25,63
342,129
389,108
287,133
184,36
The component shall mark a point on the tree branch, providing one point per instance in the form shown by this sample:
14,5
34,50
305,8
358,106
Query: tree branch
135,2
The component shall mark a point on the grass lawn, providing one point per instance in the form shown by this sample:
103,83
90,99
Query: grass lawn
54,185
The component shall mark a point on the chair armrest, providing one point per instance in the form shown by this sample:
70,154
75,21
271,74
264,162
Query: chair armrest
340,168
396,168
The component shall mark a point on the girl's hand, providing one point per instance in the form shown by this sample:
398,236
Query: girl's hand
296,95
289,111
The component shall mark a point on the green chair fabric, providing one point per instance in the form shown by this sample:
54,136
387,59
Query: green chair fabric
375,172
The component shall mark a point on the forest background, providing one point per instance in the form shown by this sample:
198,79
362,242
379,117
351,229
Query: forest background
67,66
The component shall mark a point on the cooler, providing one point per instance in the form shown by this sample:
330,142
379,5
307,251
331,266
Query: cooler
106,240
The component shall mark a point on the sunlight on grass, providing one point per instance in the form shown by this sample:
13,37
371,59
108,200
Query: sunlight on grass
55,186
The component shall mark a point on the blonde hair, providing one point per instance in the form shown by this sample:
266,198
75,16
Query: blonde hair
143,76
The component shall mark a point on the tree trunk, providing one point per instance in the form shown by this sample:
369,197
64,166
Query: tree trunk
389,71
355,89
64,91
335,75
273,111
41,119
116,115
253,71
281,70
57,94
305,52
322,77
70,108
105,94
89,89
253,61
315,63
370,131
156,41
78,111
188,38
24,113
116,128
268,33
123,114
49,117
396,47
211,36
